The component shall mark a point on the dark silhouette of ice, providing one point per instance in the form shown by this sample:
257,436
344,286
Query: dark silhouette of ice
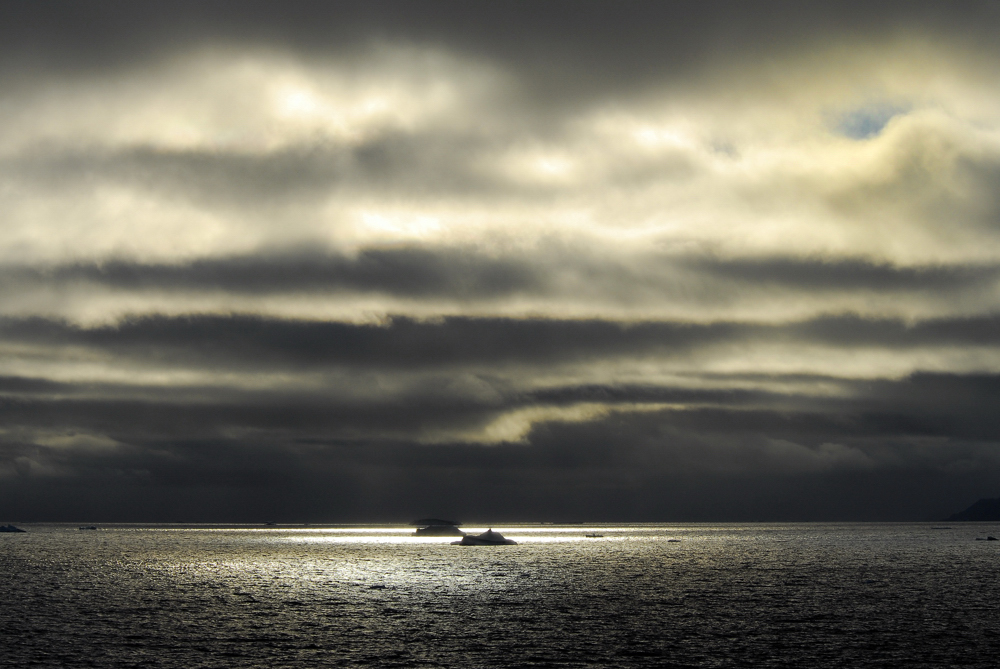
436,527
487,538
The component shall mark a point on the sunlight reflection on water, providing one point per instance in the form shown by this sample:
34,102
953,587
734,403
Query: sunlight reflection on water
695,595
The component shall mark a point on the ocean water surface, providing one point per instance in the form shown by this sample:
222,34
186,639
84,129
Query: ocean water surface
761,595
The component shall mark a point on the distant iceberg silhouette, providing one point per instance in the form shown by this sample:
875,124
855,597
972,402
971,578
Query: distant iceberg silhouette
437,527
487,538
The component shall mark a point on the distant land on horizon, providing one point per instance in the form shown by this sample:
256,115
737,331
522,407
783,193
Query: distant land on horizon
983,510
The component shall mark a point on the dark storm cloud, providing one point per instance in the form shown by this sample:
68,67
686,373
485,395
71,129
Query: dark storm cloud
823,274
432,162
269,417
627,44
406,272
20,384
924,405
856,458
464,273
403,343
241,483
136,414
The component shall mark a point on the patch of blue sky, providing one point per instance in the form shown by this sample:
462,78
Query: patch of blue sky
867,121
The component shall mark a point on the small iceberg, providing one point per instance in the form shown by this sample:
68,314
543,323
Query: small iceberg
10,528
436,527
487,538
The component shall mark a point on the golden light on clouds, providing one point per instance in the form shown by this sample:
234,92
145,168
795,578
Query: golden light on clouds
781,172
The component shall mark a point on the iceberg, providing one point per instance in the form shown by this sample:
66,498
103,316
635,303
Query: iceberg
487,538
435,527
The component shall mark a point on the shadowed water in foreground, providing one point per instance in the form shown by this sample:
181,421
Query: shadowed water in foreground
859,595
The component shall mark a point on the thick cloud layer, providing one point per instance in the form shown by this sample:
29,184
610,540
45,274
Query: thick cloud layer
517,261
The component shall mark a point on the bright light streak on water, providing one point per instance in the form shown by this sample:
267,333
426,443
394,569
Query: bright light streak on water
643,595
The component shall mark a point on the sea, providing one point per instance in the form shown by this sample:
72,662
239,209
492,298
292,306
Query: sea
682,595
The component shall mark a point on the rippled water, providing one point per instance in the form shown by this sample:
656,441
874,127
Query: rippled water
869,595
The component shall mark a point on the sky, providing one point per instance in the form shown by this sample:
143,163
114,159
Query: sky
510,261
